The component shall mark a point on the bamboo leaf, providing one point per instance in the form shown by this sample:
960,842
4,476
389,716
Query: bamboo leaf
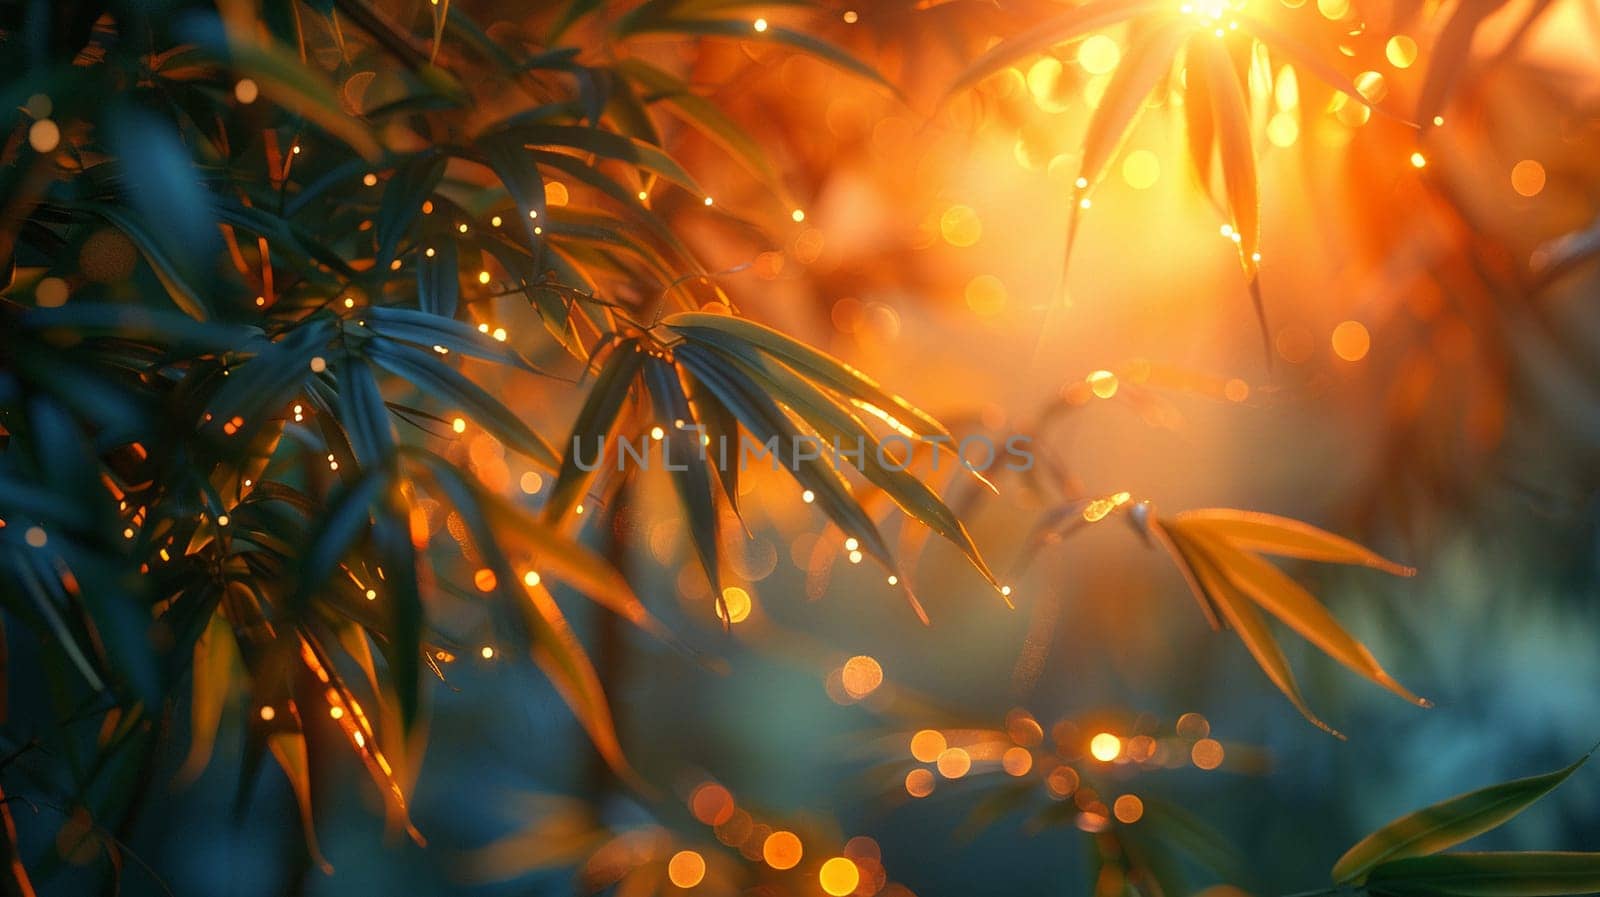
427,330
365,418
1286,600
301,89
439,280
165,267
1231,116
289,749
215,656
595,422
1246,621
1446,824
739,29
840,428
410,186
1146,64
693,482
1069,26
555,554
1286,537
830,372
433,377
1509,874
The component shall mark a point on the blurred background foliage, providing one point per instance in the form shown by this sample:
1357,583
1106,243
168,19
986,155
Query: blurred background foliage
283,347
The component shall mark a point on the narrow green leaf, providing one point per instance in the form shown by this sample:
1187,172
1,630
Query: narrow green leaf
426,330
410,186
1446,824
825,369
439,280
592,429
430,375
364,416
684,450
1509,874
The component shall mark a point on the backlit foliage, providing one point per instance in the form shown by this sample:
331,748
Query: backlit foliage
322,323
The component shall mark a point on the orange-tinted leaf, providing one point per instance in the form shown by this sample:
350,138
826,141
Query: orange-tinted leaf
1286,537
1289,602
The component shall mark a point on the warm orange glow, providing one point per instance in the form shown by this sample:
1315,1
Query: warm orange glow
1206,753
1351,341
986,295
1062,781
1527,178
268,712
861,676
1102,383
712,804
459,425
738,602
919,783
839,876
927,745
954,763
1128,809
1193,725
484,579
1418,160
1016,761
961,226
782,850
686,869
531,482
1099,54
1401,51
1105,747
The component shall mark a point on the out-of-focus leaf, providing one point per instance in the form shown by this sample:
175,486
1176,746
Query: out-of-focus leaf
596,420
1508,874
1231,117
365,417
289,749
160,179
739,29
693,481
556,555
167,269
301,89
605,144
1146,65
1446,824
334,533
515,168
402,201
439,280
181,334
261,386
391,540
709,119
215,656
1072,24
1452,52
426,372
